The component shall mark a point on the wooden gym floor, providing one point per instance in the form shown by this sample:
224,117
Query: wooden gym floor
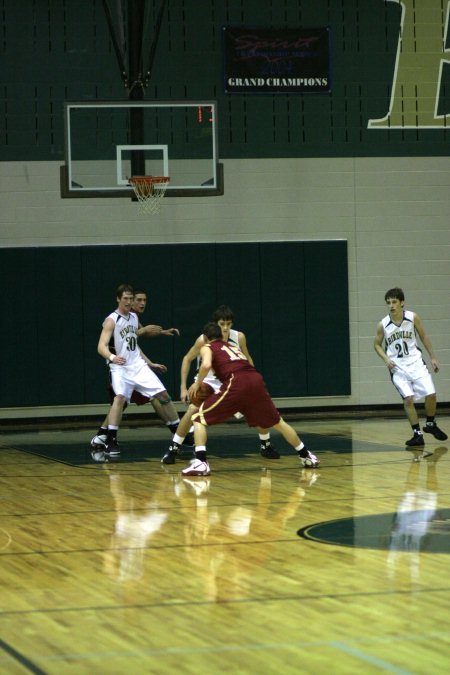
263,567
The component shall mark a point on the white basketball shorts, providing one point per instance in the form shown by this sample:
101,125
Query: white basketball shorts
140,377
414,380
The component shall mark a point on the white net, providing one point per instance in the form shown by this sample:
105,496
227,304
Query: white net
149,191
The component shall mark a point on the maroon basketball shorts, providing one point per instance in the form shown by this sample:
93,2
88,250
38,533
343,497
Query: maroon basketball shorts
245,393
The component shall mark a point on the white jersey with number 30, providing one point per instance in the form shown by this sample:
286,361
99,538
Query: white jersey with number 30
125,337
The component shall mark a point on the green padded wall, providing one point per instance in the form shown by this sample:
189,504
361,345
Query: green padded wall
289,298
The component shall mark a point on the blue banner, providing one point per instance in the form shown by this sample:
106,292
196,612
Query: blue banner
276,60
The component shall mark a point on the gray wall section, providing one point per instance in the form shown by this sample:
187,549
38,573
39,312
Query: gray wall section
70,290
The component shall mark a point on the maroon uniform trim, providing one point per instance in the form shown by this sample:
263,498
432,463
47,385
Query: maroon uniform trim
243,390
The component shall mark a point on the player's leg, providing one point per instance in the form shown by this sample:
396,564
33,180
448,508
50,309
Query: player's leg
199,465
122,384
181,435
431,427
306,457
216,409
413,418
166,410
114,419
403,382
99,440
266,448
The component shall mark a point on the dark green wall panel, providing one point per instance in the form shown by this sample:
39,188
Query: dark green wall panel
289,298
59,319
194,296
283,318
19,366
326,306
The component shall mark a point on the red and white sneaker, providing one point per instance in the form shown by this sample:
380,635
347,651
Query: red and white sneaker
310,461
197,468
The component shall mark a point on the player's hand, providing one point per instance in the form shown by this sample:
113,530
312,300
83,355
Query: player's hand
119,360
160,367
193,390
170,331
184,395
391,365
435,364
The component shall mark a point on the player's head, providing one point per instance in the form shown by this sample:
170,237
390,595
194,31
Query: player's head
124,288
224,313
124,296
394,294
224,317
139,300
212,331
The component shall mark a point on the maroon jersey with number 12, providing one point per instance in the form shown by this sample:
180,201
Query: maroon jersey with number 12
243,390
228,359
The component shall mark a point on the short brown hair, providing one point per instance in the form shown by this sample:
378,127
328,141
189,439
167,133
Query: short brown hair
395,293
124,288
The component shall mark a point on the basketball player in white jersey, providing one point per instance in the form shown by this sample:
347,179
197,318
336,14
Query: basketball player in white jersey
118,344
163,406
224,317
395,342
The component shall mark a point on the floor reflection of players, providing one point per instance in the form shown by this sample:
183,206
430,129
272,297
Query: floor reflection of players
216,537
135,526
414,515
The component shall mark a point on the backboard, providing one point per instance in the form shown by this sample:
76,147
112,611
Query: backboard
106,142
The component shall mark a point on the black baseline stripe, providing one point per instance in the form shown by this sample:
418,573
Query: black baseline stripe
29,665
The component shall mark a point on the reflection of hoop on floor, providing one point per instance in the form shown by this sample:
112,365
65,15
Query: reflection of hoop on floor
7,537
149,191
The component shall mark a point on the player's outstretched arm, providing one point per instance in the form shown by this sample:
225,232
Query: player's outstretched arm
152,330
170,331
206,365
186,366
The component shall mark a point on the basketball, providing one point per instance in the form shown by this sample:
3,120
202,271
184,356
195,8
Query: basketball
204,391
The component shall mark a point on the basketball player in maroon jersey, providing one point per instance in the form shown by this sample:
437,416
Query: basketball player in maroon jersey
243,390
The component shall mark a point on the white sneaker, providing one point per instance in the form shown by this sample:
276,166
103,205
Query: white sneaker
99,441
197,468
310,462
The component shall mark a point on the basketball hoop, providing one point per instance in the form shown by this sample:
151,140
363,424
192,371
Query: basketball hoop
149,191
